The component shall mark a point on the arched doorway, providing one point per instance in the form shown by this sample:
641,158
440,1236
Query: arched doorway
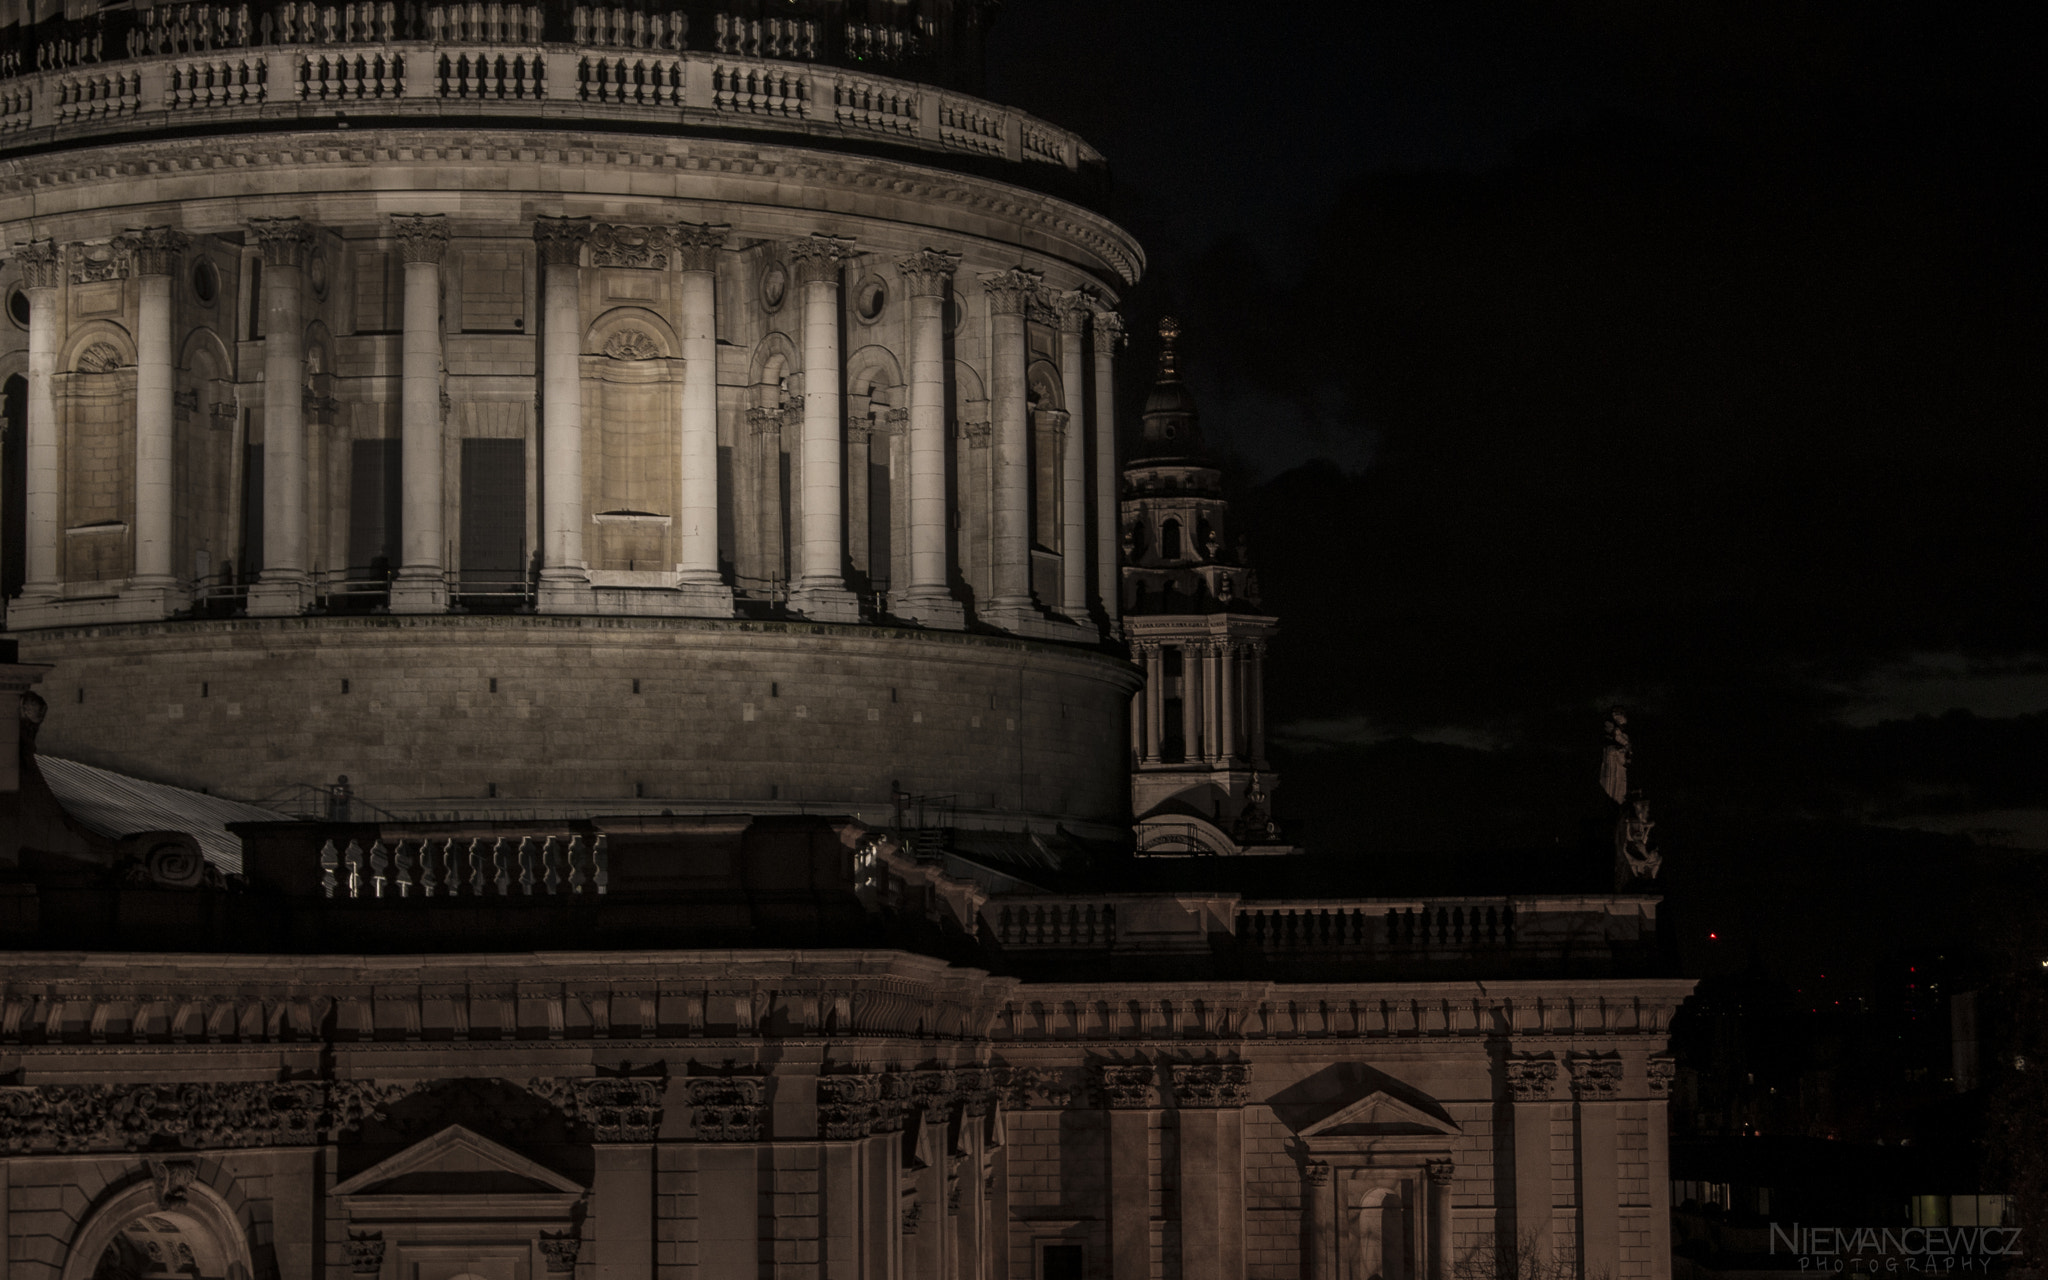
160,1230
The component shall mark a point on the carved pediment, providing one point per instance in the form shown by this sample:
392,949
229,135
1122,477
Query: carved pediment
1381,1113
457,1161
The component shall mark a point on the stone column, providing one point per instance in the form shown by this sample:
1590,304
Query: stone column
927,598
1074,311
1530,1084
1009,294
697,577
1127,1091
564,573
1441,1173
1193,705
422,584
1155,698
1211,1098
285,586
1255,702
1661,1070
1319,1208
820,592
157,253
1109,330
1596,1090
42,268
1226,702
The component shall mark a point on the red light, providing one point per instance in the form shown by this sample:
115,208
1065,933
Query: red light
1714,935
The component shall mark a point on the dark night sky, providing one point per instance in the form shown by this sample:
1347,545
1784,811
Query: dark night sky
1574,355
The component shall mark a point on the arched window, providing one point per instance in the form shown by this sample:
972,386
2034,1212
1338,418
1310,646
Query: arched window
1169,539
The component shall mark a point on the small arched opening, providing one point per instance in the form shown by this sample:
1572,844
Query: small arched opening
167,1228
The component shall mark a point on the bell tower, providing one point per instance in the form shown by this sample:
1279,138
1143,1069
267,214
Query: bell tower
1200,783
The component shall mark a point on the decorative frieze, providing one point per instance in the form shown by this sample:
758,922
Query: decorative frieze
614,1108
928,273
848,1105
41,263
286,242
618,245
37,1119
155,251
818,258
91,263
561,240
699,244
1595,1078
1124,1086
1012,292
728,1108
1531,1079
422,237
1210,1084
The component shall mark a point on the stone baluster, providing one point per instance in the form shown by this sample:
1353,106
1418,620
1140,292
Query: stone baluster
1109,330
1010,294
1074,310
565,575
421,585
42,266
820,592
285,586
697,574
157,253
928,277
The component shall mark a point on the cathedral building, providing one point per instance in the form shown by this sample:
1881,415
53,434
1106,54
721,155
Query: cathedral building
581,661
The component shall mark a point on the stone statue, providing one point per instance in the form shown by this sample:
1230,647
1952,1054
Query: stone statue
1634,856
1615,757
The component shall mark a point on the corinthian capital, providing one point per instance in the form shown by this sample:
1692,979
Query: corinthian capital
286,242
561,240
41,262
929,273
1075,308
698,244
422,237
817,259
1109,327
1011,293
155,250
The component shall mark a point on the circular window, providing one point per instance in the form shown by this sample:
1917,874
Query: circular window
774,285
17,308
956,312
205,282
870,296
316,275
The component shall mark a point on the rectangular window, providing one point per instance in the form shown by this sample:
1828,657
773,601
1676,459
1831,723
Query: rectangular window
374,508
494,520
1061,1262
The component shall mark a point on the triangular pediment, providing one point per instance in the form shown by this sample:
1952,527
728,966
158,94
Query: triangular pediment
1380,1112
454,1161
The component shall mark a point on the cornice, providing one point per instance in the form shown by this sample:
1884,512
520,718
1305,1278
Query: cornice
774,168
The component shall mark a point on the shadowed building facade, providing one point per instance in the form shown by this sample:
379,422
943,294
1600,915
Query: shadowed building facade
666,461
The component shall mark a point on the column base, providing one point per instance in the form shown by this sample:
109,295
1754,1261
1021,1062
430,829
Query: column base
419,593
935,609
704,599
153,598
280,597
821,602
566,591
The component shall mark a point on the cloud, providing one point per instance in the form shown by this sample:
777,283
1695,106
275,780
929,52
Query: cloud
1935,683
1363,731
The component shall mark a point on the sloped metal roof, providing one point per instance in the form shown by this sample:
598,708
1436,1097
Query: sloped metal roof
116,805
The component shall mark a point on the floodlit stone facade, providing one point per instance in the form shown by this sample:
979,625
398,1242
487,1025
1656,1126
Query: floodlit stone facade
666,460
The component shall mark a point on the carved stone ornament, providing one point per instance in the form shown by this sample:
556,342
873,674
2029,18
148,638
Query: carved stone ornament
978,434
632,344
1210,1084
929,273
100,357
1109,329
614,1108
561,240
617,245
765,422
364,1252
1012,292
1125,1085
1531,1079
1441,1172
173,1179
698,244
1074,309
286,242
727,1108
1596,1078
1661,1072
94,262
847,1105
41,263
1316,1173
155,251
559,1252
422,237
817,260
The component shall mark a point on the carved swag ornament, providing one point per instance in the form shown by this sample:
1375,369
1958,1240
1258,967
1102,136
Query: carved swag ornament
36,1119
615,1109
1531,1079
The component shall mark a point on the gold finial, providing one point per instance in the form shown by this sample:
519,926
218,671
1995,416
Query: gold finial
1169,330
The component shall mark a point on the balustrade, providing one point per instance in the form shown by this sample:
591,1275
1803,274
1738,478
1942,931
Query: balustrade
1072,924
758,90
886,107
454,867
968,126
98,95
1460,926
215,82
631,80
